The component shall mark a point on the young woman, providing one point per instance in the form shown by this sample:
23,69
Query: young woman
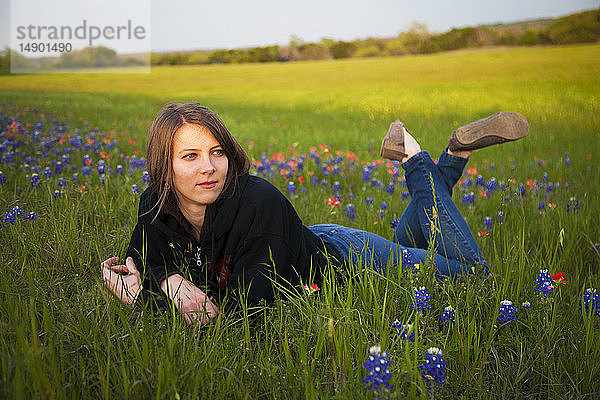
205,218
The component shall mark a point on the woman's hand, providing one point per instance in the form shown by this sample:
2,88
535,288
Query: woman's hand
192,303
123,281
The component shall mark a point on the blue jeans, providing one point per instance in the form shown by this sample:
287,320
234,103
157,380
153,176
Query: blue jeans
456,250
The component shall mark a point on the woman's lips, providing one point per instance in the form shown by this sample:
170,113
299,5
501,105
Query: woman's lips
208,185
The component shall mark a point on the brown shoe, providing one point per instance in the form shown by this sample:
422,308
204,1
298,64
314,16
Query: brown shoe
392,146
498,128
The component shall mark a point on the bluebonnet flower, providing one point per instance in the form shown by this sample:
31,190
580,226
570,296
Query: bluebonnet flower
434,366
526,304
500,216
543,283
47,172
492,184
390,188
449,316
135,188
377,367
350,211
479,181
336,187
522,190
291,188
545,177
369,201
590,301
314,181
541,205
85,170
507,314
324,182
488,223
467,183
549,187
573,204
383,205
405,195
35,180
146,178
567,159
405,331
57,194
421,299
119,169
375,183
61,182
58,167
394,223
31,216
406,258
130,171
366,176
2,178
468,198
101,167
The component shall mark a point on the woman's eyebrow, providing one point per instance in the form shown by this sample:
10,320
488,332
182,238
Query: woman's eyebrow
196,149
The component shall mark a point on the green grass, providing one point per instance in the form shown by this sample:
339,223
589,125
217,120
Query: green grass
61,337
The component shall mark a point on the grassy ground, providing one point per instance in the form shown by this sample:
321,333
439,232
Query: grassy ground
62,337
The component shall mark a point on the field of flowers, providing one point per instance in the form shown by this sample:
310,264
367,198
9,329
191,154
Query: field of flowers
72,168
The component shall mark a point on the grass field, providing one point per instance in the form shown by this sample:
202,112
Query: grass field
62,337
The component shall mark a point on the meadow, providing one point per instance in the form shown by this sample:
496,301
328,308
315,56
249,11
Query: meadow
72,167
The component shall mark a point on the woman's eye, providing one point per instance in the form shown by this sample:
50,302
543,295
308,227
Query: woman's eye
218,152
190,156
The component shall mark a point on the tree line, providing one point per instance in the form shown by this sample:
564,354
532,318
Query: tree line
583,27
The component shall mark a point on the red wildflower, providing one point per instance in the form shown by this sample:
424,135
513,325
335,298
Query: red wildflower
333,201
482,233
559,277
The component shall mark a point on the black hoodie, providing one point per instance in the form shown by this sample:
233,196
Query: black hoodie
255,233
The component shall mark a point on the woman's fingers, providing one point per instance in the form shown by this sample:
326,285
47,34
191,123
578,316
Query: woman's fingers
131,266
107,263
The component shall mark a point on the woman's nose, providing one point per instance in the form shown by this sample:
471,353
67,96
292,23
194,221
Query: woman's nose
206,166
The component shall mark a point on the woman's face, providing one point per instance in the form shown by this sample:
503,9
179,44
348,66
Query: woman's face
199,166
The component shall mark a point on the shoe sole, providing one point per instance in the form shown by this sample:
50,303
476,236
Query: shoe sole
498,128
392,145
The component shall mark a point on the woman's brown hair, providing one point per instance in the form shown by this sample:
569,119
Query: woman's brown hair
160,148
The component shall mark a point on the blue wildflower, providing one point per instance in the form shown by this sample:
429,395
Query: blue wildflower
146,178
590,301
2,178
573,204
406,258
449,316
31,216
291,188
47,172
35,181
405,195
383,205
567,159
366,176
336,187
421,299
85,170
135,188
57,194
479,181
544,283
375,183
405,331
526,304
314,181
468,198
488,222
369,201
350,211
541,205
119,170
434,366
492,184
390,188
377,367
507,314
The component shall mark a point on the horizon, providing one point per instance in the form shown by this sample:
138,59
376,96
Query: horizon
269,22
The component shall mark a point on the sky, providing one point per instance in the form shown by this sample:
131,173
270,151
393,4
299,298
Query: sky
201,24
